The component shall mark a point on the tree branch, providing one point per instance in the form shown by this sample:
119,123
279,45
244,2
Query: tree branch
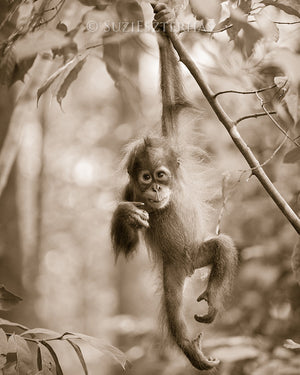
230,126
244,92
269,113
254,115
201,29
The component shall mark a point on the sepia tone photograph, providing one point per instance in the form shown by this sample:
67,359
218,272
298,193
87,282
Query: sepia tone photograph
149,187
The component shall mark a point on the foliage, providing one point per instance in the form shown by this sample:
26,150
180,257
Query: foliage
7,299
256,32
248,51
17,357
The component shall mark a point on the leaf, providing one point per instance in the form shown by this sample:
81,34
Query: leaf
42,333
206,9
289,62
288,6
45,86
2,361
62,27
9,368
11,346
292,102
4,322
24,358
222,24
290,344
3,342
11,358
71,77
267,27
79,354
45,362
61,75
54,356
21,69
102,347
292,156
8,299
251,35
3,348
296,262
39,362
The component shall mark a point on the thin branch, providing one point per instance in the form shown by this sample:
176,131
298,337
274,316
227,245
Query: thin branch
95,46
57,7
254,115
244,92
269,113
234,133
227,196
201,29
273,154
286,23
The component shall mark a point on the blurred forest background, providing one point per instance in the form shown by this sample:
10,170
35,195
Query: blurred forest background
61,176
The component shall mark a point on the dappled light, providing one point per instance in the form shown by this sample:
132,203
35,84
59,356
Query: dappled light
79,81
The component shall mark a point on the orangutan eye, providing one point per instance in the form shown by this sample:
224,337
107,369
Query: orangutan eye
145,177
162,174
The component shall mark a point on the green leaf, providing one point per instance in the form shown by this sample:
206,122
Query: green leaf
24,358
8,299
45,362
79,354
101,347
292,156
54,356
4,322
